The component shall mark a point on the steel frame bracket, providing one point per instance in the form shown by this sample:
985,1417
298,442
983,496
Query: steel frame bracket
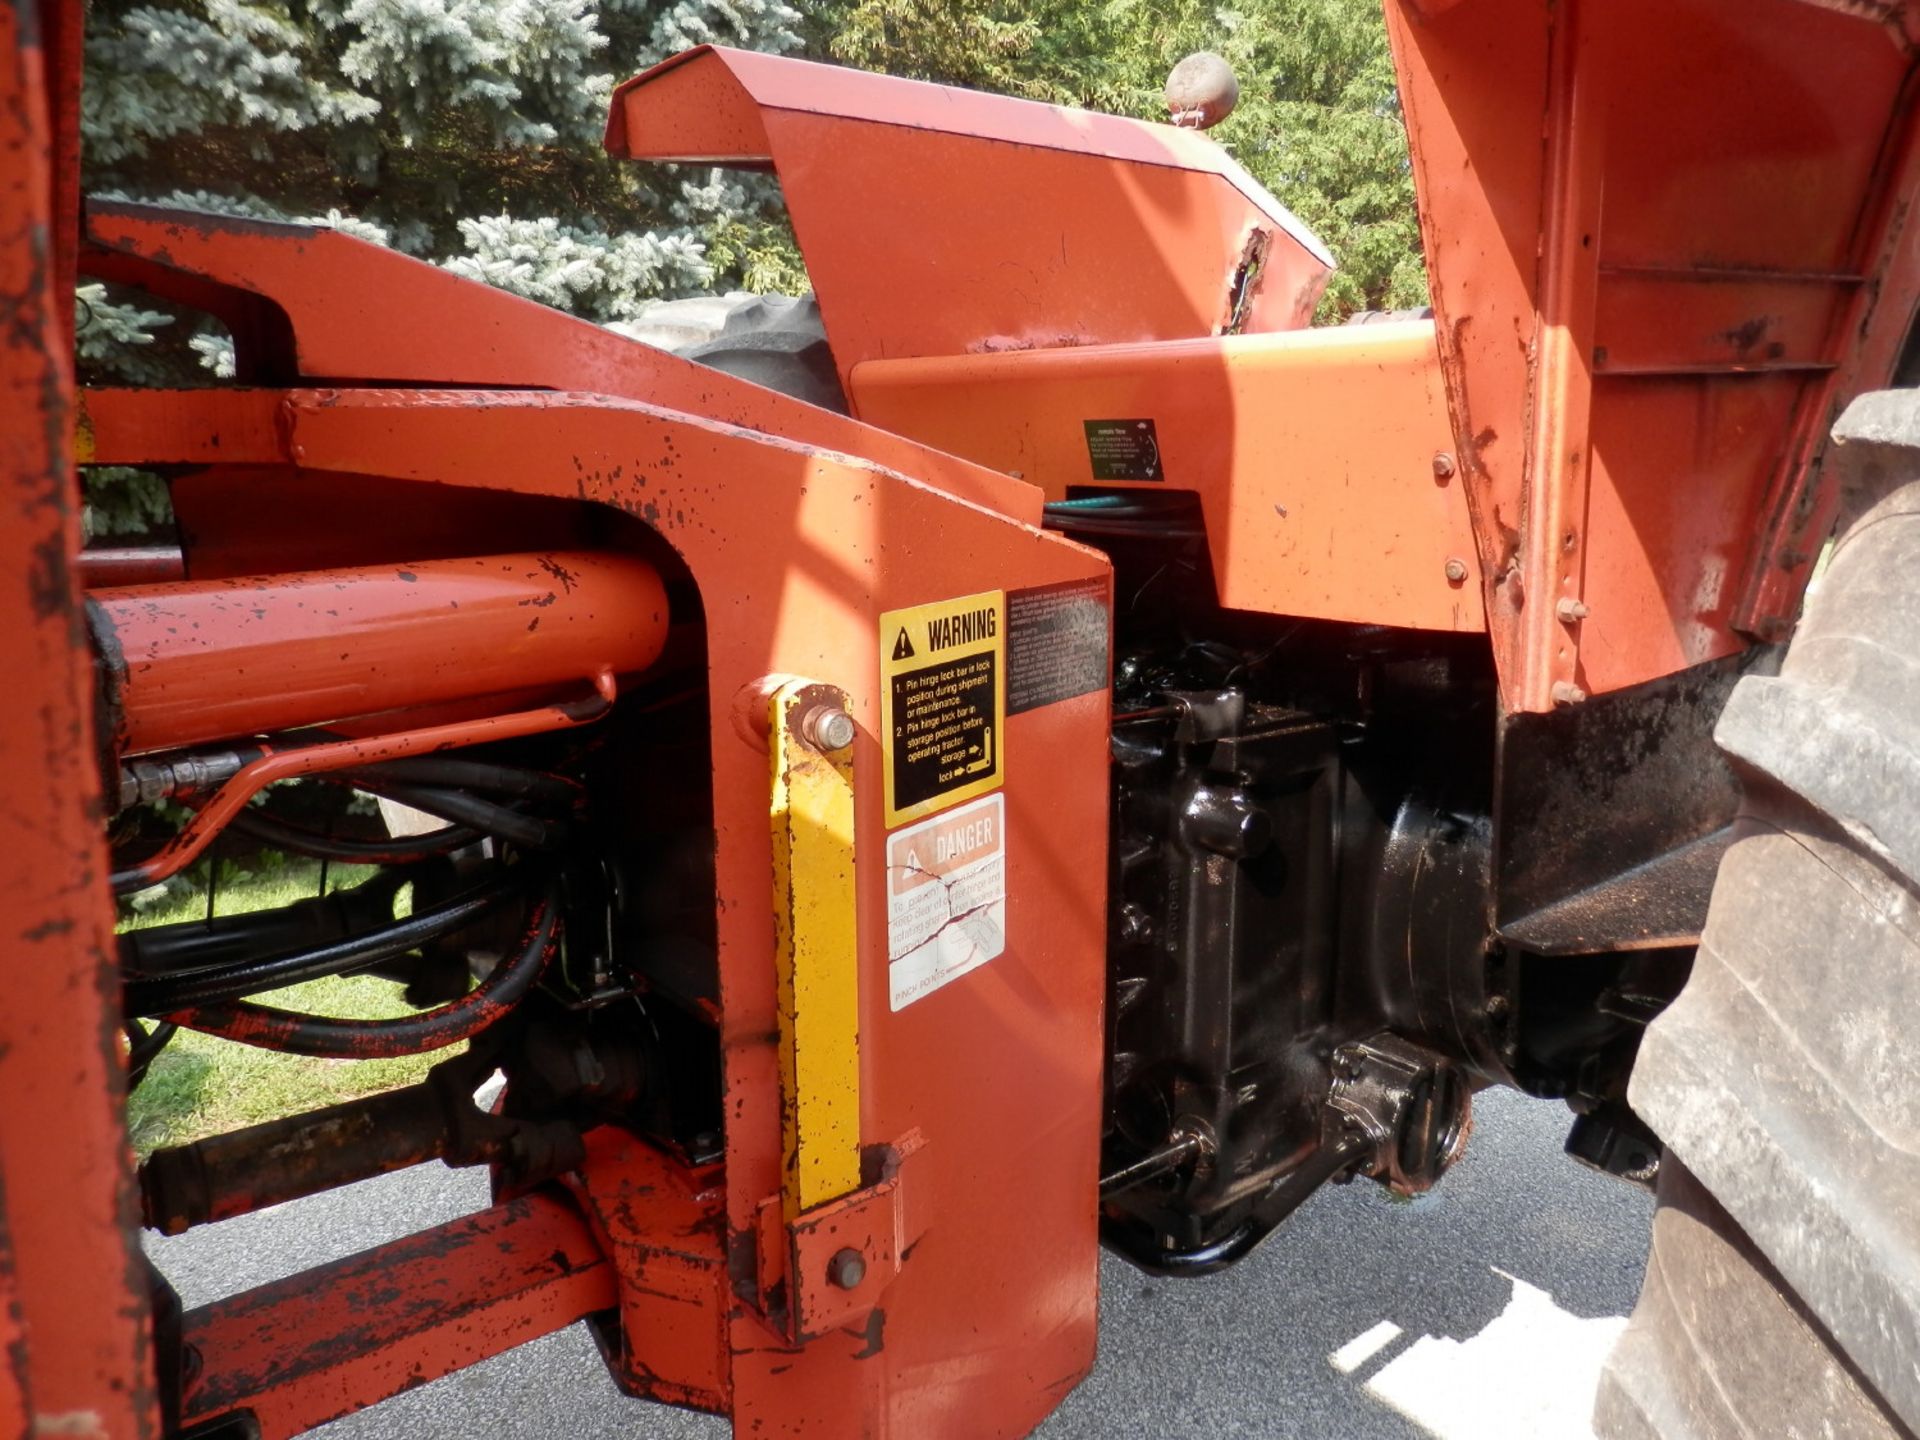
827,1270
662,1225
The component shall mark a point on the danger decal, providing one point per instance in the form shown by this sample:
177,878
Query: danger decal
946,898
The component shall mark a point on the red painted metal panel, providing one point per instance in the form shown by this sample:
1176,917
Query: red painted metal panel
1312,452
77,1361
992,1317
1647,323
355,309
938,221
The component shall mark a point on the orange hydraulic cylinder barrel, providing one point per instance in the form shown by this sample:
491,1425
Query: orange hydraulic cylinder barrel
200,661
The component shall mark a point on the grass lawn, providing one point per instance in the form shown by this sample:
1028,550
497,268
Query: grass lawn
201,1086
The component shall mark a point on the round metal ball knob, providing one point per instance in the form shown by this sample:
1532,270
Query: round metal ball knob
1201,91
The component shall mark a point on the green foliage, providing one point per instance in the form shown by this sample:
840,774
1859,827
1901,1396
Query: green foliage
200,1085
124,504
1318,122
466,132
441,123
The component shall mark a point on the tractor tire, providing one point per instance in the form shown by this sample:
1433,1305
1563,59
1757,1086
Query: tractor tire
777,341
1782,1296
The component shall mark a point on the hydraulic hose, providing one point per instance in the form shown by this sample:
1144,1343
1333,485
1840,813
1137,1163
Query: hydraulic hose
470,810
231,939
454,773
153,995
315,1035
395,850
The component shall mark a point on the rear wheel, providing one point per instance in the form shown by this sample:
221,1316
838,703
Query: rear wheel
777,341
1782,1296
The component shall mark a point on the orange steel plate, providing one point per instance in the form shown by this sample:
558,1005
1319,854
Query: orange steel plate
72,1288
342,307
937,220
1312,453
797,552
325,1342
1649,320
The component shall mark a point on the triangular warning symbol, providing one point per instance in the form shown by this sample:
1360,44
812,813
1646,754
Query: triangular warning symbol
903,647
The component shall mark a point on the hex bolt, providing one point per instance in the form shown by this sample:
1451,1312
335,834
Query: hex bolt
1571,611
1136,924
1456,571
827,727
1565,692
1443,467
846,1269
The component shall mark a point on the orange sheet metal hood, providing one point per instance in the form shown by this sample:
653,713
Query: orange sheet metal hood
938,221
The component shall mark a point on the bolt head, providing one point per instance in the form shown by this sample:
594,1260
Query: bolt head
1570,610
1443,466
1456,571
846,1269
829,728
1565,692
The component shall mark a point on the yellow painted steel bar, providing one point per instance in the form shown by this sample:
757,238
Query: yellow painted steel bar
816,956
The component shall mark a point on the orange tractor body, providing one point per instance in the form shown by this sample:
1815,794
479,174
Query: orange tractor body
865,662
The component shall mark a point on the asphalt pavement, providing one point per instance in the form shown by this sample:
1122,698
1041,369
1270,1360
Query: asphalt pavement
1478,1312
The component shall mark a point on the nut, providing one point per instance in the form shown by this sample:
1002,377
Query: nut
1443,467
1570,610
827,727
1565,692
1456,571
846,1269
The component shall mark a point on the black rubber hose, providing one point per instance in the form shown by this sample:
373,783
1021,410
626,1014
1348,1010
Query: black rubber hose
231,939
395,850
449,772
150,995
462,809
1123,529
315,1035
144,1045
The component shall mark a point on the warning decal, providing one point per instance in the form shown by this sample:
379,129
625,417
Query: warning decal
942,702
946,898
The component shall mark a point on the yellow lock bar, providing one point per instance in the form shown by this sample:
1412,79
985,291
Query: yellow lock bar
814,942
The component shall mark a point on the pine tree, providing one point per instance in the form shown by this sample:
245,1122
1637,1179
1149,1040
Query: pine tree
466,132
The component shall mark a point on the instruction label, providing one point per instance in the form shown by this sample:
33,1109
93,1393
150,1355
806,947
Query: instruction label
946,898
1056,643
942,702
1123,450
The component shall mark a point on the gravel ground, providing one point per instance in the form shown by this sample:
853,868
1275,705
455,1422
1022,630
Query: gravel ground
1479,1312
